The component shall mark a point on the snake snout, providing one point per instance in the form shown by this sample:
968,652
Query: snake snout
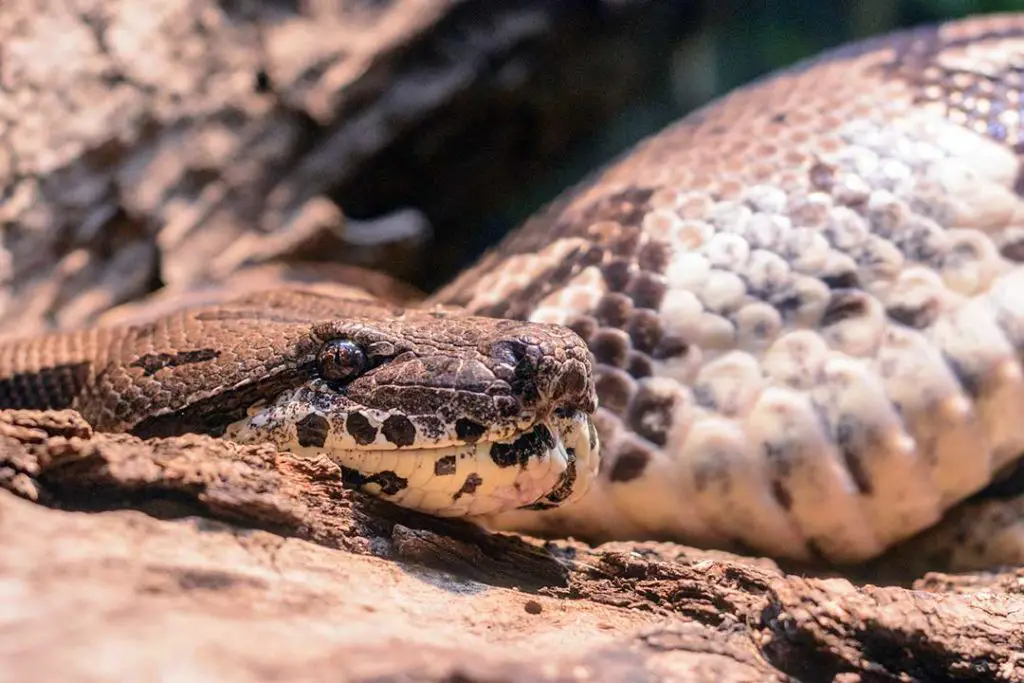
552,370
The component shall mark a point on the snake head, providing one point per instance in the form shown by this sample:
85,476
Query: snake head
453,415
482,370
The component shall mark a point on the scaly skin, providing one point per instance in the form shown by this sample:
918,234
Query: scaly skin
806,301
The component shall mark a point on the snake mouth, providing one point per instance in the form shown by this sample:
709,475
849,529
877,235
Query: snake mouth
536,465
550,464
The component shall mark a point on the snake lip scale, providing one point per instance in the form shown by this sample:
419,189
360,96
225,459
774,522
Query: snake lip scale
791,323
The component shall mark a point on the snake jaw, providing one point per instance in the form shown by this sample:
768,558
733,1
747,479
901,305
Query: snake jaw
536,467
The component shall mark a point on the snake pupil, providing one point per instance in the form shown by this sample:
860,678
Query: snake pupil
340,359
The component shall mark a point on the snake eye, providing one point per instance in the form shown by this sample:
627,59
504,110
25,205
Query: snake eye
340,359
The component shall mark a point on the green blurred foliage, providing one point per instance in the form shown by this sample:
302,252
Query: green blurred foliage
751,38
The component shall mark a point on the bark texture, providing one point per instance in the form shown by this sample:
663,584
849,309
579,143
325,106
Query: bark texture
203,560
174,141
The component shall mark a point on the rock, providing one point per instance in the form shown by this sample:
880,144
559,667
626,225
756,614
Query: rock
251,565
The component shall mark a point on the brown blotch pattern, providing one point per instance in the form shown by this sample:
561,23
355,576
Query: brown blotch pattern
444,466
362,431
843,305
630,464
152,362
532,444
399,430
473,480
615,389
650,414
469,431
610,346
389,482
312,430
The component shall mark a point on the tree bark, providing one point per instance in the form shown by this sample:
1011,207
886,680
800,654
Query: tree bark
250,565
171,142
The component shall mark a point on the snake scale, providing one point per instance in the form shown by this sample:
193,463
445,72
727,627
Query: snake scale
798,312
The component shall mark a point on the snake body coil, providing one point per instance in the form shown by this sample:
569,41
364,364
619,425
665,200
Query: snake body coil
804,302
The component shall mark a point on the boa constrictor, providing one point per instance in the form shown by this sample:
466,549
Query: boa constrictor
792,321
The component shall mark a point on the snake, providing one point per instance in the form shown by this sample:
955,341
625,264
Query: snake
792,321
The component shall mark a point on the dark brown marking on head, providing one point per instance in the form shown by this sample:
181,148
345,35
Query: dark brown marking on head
473,480
360,428
572,382
399,430
152,362
213,414
610,346
843,305
389,482
650,413
524,381
312,430
259,314
538,505
526,447
630,464
469,431
444,466
563,489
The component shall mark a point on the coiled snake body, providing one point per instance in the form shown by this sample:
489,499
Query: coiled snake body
804,304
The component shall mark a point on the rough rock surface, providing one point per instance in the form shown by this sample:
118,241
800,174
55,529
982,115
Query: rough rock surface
173,141
250,565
